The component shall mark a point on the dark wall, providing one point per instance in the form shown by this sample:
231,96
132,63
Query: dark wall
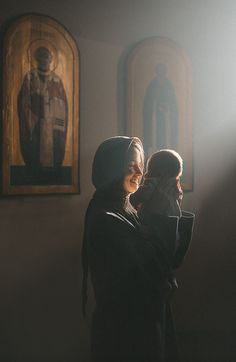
40,316
40,242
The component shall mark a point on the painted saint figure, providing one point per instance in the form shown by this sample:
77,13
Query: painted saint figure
43,114
160,113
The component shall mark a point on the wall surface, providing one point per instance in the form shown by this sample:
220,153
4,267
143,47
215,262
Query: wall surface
40,241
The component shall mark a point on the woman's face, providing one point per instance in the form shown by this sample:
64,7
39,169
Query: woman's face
134,170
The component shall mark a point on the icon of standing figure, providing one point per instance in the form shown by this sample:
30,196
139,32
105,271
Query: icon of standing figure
160,113
43,114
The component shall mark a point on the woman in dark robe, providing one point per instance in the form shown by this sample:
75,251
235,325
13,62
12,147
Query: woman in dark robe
130,264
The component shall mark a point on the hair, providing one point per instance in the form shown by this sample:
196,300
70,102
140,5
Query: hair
137,144
164,163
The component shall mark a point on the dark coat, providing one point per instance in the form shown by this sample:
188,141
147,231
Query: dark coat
130,267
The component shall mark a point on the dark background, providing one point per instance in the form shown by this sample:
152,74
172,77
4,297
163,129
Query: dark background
40,240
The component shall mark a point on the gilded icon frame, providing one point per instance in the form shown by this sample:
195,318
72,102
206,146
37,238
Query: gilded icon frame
40,108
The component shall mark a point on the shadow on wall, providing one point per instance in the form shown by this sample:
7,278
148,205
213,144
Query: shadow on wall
42,319
208,296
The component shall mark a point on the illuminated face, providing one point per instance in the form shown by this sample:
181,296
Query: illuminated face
134,170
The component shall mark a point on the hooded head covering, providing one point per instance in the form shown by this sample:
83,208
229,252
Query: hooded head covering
109,160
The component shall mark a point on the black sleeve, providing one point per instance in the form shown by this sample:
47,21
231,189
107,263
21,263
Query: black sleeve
123,257
142,194
185,229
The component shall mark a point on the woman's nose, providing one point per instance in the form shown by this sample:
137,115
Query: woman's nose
138,170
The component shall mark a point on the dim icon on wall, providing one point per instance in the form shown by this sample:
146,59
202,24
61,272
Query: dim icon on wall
160,113
159,100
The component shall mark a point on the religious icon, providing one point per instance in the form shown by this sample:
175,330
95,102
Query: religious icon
43,115
42,110
159,100
160,113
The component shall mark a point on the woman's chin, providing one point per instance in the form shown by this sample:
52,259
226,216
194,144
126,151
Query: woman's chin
133,189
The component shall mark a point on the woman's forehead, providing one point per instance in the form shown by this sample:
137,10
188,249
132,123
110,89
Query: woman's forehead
135,154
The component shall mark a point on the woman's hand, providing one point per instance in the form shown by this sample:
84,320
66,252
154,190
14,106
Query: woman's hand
167,197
